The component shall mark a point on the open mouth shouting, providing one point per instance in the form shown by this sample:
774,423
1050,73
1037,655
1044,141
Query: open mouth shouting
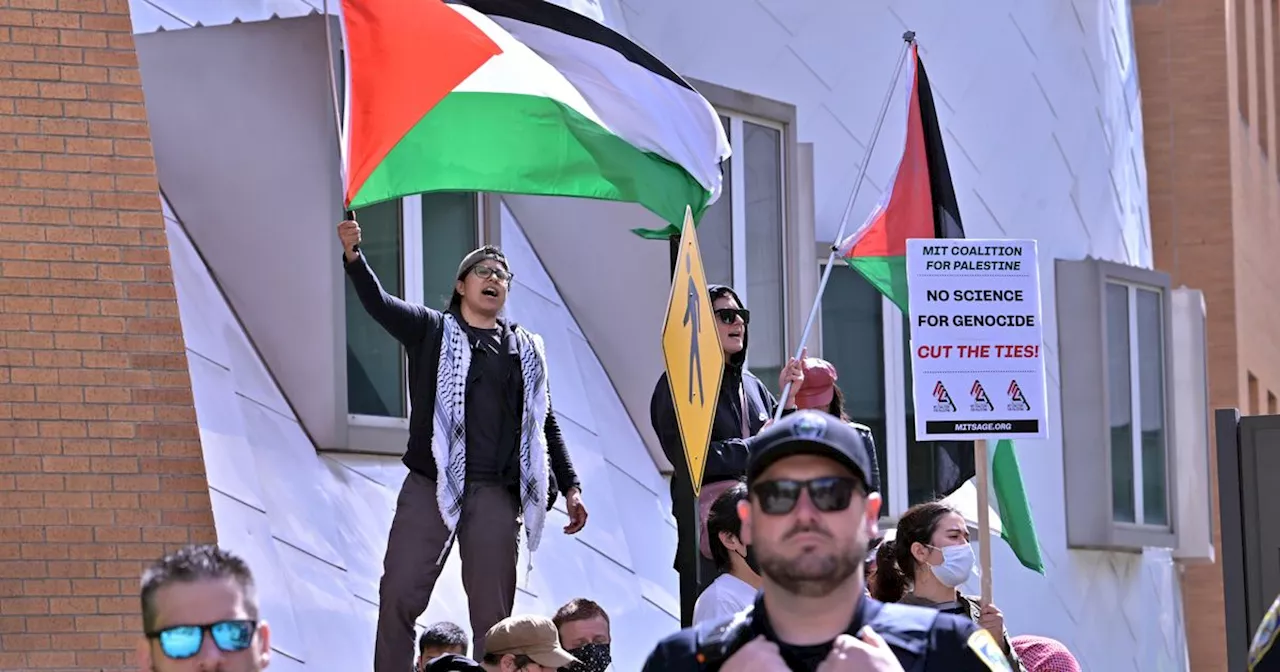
736,334
490,291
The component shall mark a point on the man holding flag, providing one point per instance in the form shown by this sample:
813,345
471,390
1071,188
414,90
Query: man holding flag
522,97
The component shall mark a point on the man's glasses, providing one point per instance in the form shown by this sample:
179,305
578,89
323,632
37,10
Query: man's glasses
485,272
729,315
828,494
184,641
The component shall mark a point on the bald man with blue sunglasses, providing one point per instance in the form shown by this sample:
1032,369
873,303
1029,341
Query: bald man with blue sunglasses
200,614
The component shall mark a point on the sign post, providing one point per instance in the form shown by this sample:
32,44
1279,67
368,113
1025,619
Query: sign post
977,357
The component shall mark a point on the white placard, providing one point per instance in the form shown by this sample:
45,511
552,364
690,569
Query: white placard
977,353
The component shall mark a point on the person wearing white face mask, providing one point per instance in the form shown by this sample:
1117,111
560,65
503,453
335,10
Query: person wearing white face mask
927,561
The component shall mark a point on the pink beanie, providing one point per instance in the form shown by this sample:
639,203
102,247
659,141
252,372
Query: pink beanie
819,384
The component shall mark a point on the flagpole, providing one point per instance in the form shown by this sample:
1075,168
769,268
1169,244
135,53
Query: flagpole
337,110
908,38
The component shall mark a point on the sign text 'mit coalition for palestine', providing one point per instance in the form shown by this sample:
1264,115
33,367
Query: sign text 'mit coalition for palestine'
1010,265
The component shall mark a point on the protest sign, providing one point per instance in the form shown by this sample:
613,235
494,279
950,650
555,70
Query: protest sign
977,358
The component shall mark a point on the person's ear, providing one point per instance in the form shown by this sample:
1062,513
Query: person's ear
919,552
874,503
729,541
144,654
459,286
264,644
744,514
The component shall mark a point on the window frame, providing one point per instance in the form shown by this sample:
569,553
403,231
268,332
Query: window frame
1135,400
1080,288
411,268
738,213
796,189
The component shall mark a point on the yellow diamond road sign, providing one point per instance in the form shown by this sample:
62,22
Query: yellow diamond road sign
691,348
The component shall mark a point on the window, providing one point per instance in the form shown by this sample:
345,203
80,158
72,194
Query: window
1135,387
867,339
741,237
1117,378
414,246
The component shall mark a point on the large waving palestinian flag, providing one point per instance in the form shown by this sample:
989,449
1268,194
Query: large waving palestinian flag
519,96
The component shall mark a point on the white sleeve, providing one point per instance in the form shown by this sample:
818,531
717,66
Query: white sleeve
715,604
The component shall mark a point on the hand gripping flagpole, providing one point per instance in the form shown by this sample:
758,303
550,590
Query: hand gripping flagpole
908,38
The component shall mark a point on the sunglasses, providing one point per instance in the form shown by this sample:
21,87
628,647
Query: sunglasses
729,315
828,494
485,272
184,641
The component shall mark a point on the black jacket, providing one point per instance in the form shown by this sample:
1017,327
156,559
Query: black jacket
923,640
728,451
419,329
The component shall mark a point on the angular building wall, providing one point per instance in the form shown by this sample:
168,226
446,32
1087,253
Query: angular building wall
314,525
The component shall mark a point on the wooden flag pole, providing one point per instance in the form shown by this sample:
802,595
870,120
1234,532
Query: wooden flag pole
984,517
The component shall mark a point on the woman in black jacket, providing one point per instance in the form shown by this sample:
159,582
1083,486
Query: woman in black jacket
744,407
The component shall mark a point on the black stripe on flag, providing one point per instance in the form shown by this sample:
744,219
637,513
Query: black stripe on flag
946,212
569,22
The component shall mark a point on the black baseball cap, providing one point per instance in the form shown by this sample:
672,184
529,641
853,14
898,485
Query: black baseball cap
809,432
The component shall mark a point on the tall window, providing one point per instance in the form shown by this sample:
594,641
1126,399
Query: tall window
414,246
1135,388
867,339
741,237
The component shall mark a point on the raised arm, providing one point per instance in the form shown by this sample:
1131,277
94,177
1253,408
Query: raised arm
406,322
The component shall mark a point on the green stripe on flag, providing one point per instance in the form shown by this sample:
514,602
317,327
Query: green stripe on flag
887,274
1010,501
521,144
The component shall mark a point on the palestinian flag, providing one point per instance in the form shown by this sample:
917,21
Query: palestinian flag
523,97
921,203
1008,499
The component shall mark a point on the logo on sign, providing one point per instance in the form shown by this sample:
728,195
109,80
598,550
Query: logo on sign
1017,401
942,399
980,400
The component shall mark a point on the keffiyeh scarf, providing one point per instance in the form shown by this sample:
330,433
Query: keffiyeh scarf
449,440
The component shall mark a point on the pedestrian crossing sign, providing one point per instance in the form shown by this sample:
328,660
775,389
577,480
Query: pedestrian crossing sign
692,351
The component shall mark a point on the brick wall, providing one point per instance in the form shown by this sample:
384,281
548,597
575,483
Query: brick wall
100,464
1215,214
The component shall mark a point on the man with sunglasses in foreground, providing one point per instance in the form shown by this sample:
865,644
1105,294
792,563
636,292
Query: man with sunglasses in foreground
481,436
808,519
200,613
744,407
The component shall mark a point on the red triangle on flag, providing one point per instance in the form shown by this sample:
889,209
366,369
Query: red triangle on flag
404,57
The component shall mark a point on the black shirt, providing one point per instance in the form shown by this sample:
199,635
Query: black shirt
494,405
419,328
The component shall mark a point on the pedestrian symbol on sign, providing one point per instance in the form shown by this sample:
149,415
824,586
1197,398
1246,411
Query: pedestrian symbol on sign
693,321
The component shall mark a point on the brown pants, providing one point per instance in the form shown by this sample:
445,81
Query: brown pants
487,542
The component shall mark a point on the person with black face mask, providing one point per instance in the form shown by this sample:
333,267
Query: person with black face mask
735,589
584,633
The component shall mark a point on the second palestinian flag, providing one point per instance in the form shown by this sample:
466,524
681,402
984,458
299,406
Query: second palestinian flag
920,204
